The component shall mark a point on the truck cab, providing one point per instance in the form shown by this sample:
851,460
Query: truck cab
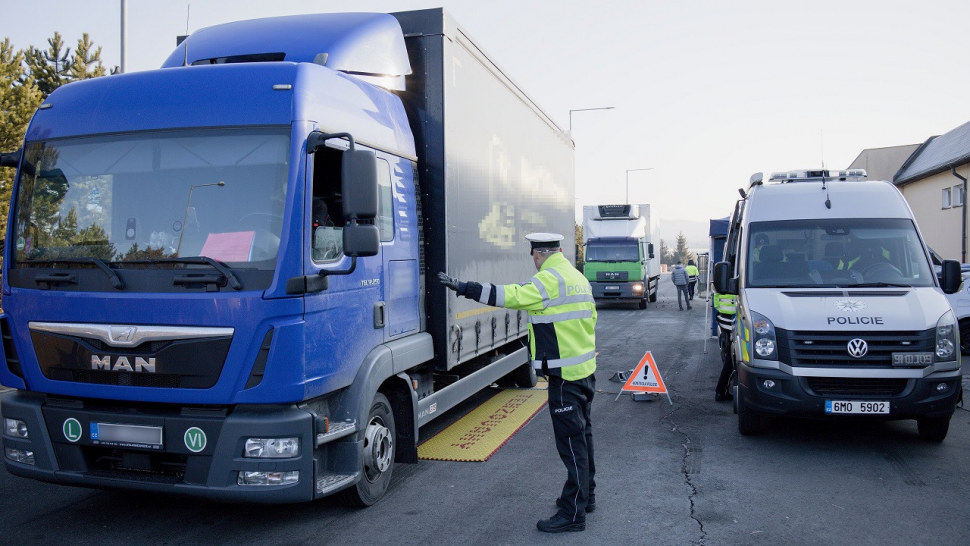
619,259
839,311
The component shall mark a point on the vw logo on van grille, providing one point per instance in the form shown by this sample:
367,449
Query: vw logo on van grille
858,348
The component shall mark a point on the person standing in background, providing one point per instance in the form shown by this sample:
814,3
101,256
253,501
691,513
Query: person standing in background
692,274
679,276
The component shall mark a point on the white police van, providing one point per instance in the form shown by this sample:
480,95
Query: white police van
840,312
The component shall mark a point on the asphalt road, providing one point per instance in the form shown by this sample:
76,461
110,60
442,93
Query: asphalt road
667,474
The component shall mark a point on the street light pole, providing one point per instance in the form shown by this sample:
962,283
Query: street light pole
628,171
583,110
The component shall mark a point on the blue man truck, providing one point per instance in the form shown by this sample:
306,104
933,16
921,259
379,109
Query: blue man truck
277,335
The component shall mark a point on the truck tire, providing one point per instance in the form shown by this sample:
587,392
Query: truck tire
377,456
524,377
653,296
642,304
749,422
933,430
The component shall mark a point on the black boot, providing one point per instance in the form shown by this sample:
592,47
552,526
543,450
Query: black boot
560,524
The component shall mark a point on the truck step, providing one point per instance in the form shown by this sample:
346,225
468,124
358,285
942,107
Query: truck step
332,482
336,430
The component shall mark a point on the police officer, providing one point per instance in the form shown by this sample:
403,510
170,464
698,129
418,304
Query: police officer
726,307
562,342
692,274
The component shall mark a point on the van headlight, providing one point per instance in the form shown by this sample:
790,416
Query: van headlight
946,338
765,343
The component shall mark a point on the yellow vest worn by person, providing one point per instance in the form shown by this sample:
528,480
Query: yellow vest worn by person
692,271
562,316
726,304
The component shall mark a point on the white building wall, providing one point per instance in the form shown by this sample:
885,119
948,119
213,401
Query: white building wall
941,227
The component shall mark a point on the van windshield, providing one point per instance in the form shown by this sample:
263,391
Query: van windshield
836,253
150,197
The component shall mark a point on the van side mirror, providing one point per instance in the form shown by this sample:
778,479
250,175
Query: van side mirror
952,277
723,284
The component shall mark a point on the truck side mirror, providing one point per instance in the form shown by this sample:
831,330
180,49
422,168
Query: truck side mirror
723,284
952,277
9,159
358,184
361,240
650,250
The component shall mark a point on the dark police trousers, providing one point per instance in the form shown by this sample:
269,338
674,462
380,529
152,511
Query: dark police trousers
569,404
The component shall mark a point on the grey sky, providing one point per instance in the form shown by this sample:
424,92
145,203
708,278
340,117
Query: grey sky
705,92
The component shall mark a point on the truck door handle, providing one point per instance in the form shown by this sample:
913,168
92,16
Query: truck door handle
379,315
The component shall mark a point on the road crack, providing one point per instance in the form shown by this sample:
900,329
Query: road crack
690,464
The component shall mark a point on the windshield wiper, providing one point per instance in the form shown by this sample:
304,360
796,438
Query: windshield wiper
112,275
880,285
199,260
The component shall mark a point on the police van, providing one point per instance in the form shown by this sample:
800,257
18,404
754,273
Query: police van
840,312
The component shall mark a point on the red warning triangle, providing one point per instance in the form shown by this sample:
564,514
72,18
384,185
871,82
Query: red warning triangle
646,377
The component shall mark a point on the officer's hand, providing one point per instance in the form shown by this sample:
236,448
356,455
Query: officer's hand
450,282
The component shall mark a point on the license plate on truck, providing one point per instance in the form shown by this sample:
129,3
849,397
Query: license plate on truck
611,287
126,435
856,407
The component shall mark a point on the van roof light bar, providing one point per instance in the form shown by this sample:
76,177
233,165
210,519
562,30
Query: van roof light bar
813,175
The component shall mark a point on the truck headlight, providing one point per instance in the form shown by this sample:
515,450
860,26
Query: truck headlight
946,338
268,478
272,448
20,455
765,344
637,287
15,428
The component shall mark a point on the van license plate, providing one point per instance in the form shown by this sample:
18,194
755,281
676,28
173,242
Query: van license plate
912,359
611,287
857,407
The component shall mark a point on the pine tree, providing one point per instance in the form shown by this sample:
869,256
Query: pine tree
19,98
580,256
27,77
682,254
666,256
49,68
86,62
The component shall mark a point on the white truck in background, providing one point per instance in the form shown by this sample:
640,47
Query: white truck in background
618,247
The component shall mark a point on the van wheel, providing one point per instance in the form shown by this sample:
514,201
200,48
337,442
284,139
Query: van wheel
933,430
749,422
377,456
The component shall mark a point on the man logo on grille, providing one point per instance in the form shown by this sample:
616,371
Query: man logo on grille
858,348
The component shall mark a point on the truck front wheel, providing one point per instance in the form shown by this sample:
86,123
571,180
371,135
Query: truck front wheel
377,457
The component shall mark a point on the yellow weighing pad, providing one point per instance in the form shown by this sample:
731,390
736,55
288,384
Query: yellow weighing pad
478,435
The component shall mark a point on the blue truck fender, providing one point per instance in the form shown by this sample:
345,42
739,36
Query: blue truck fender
384,370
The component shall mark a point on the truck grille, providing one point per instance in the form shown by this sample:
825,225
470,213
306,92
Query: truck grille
829,349
851,386
612,275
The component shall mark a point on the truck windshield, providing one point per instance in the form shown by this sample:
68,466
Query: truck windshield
604,252
154,196
836,253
